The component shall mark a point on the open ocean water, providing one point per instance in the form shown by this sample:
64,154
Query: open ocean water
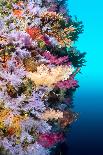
86,134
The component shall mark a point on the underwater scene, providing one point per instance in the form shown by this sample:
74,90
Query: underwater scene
50,89
86,134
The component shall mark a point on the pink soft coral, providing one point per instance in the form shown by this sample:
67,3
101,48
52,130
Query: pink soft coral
50,139
54,60
70,83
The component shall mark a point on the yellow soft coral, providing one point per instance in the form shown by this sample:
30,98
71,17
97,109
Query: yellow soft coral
47,76
52,114
11,122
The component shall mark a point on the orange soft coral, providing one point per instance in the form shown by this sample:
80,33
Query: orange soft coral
34,33
17,12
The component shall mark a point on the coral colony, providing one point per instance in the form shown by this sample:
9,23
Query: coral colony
38,64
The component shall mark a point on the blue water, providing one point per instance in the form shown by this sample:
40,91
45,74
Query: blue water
86,135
